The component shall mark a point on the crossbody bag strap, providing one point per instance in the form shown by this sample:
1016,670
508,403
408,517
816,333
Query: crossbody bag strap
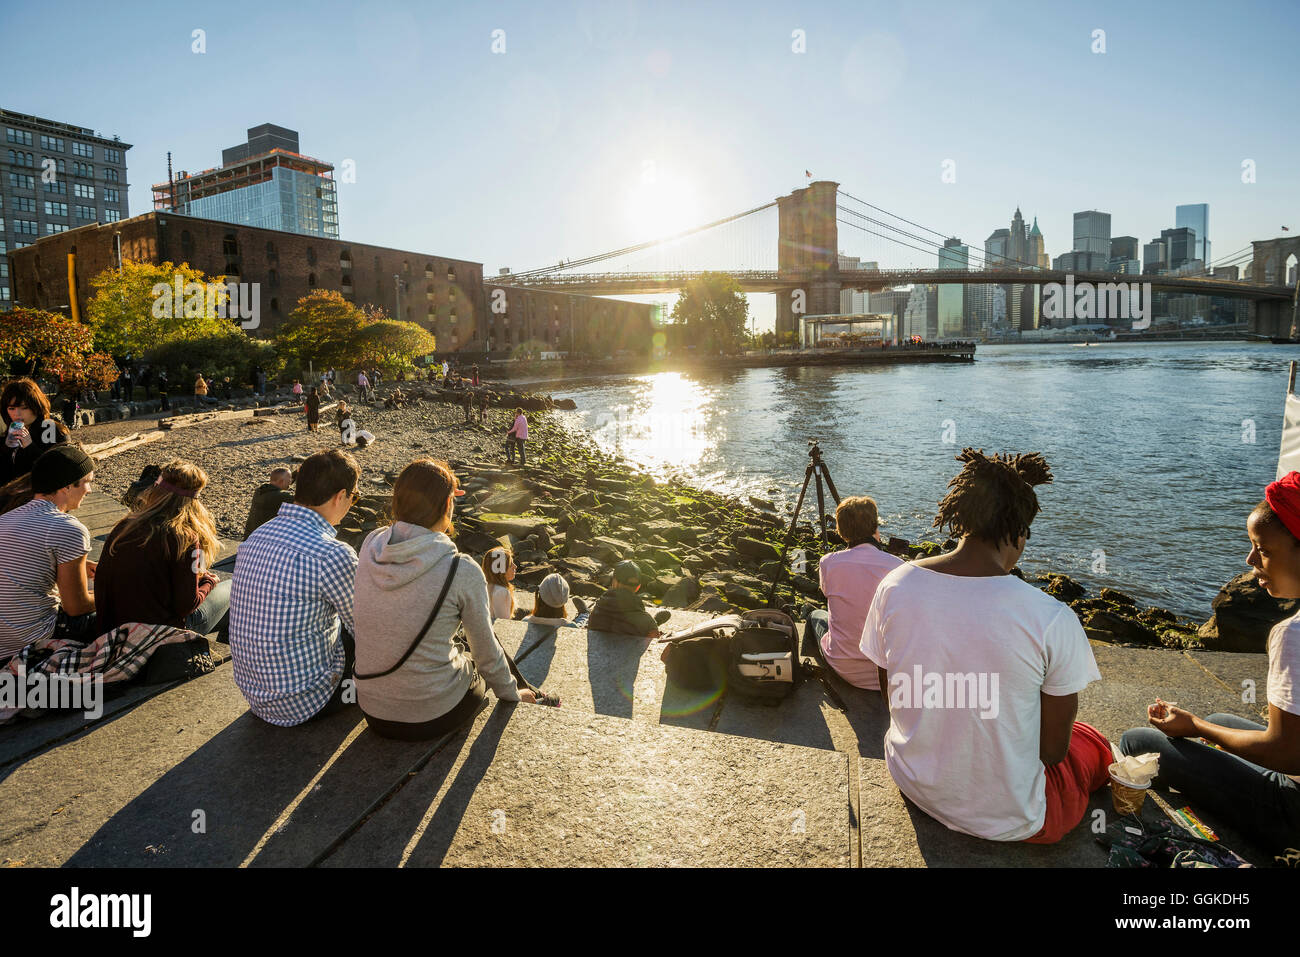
437,607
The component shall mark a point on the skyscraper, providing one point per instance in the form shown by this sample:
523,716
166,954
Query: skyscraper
1196,216
1018,240
1092,233
1036,252
952,297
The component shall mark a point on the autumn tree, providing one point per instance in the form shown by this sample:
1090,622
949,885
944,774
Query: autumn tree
139,307
392,345
34,342
713,310
322,329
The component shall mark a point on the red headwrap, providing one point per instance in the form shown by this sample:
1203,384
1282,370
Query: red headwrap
1283,497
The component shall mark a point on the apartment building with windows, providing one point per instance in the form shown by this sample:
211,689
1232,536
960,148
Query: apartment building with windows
54,177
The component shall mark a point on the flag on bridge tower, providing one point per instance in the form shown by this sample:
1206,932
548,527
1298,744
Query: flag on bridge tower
1286,229
809,175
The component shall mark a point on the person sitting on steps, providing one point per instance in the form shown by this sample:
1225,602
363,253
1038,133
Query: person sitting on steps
1244,772
291,628
268,498
996,753
620,610
849,579
414,591
499,572
43,547
154,567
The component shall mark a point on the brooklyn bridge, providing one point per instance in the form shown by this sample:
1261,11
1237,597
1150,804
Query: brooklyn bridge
798,258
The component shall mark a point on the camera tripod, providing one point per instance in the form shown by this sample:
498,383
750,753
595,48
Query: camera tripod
816,468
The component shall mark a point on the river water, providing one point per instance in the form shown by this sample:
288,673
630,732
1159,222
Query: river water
1159,450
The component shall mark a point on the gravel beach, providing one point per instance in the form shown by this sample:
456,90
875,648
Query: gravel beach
238,455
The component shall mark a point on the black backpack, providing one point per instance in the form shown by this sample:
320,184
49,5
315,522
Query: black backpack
755,654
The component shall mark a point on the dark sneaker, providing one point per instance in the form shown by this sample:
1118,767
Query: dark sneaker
580,605
662,616
550,700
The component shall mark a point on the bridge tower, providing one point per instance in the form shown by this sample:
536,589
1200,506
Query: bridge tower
808,254
1278,317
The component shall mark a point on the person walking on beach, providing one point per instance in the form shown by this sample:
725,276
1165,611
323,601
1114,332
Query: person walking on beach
413,593
291,599
468,403
297,388
482,408
154,565
200,389
516,437
1243,773
313,410
1004,759
363,385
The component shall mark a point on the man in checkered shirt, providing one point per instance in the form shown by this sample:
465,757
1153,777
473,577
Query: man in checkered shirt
291,599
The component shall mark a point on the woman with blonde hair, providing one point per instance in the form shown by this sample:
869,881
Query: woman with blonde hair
154,567
499,570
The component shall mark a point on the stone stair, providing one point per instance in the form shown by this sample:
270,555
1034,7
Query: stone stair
631,771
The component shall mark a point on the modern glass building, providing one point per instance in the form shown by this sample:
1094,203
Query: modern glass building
1196,217
952,297
265,182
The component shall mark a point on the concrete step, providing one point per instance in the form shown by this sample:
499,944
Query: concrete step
541,787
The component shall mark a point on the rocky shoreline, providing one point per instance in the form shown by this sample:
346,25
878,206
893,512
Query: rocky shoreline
578,510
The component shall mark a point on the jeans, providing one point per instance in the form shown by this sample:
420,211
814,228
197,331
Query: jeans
83,629
513,443
1262,804
212,614
336,702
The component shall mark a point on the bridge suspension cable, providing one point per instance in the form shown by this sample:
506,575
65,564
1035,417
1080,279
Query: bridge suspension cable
627,250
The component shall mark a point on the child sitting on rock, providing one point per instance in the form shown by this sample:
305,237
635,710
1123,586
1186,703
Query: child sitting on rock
620,610
1246,777
550,608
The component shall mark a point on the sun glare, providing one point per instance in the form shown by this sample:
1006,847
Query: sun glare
660,204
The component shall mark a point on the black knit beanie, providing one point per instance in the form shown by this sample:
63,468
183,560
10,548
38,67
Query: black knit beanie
61,466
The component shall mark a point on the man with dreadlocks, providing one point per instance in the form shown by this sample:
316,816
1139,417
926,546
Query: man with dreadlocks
983,670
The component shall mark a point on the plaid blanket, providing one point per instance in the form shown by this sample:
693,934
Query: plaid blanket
116,656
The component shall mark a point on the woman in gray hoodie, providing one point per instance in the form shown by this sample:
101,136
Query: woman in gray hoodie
415,682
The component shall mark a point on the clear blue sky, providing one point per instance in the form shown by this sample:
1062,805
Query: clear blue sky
541,153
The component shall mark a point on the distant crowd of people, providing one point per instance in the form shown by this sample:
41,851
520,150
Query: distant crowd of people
404,627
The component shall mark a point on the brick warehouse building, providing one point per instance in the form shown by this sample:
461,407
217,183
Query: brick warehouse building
446,296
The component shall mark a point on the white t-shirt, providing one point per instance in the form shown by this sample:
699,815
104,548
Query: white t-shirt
499,600
967,659
1284,664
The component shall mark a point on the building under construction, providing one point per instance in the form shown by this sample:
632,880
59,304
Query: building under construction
264,182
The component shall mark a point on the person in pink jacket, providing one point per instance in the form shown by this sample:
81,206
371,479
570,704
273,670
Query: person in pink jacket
516,437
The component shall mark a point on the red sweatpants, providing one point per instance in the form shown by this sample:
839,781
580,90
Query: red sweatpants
1070,783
